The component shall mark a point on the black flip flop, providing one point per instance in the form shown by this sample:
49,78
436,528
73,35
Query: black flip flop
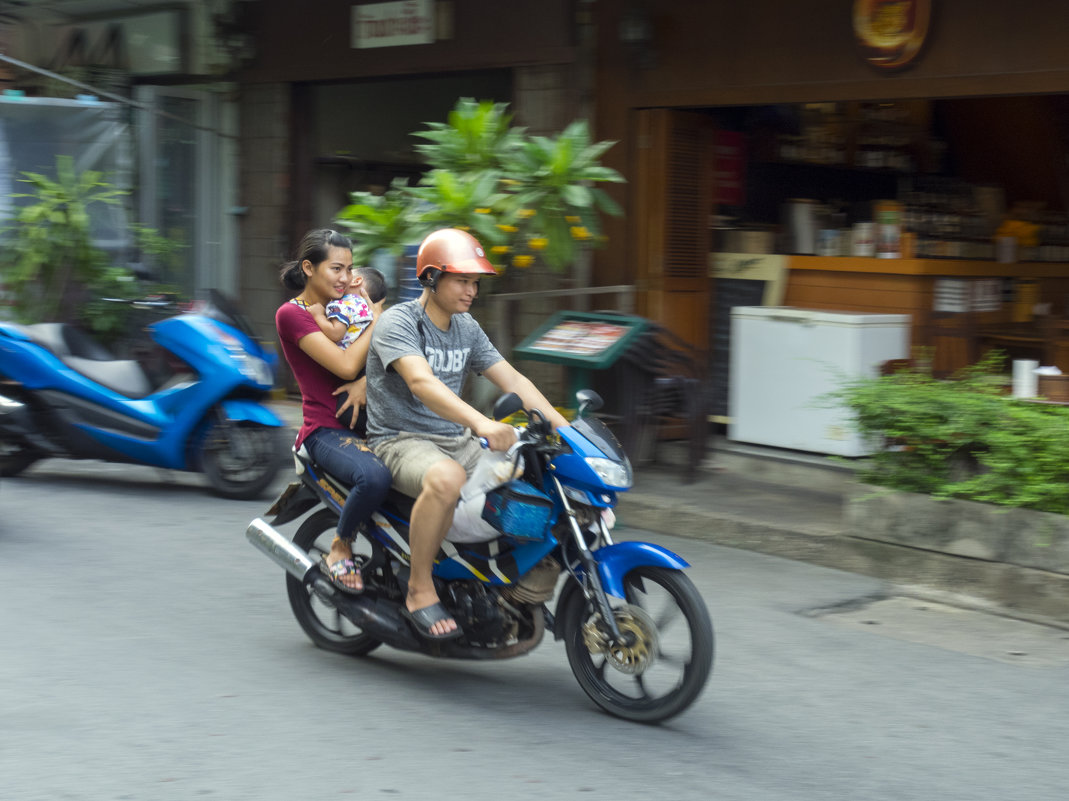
423,619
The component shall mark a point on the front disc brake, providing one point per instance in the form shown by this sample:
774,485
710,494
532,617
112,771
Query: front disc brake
638,649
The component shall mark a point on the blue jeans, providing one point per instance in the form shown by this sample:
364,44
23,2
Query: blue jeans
347,457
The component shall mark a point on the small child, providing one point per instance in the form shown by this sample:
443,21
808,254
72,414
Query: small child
344,320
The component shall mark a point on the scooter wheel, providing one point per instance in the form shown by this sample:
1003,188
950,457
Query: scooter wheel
241,461
15,458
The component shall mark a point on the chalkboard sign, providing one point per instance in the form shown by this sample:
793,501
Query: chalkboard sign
730,292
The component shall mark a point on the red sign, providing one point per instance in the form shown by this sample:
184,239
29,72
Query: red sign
729,168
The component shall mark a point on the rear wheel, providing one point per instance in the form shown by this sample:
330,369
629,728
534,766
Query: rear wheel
662,666
240,460
321,621
16,457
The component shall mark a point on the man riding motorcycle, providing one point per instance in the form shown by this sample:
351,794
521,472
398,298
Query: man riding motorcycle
421,353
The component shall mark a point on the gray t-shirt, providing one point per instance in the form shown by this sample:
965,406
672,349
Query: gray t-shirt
452,354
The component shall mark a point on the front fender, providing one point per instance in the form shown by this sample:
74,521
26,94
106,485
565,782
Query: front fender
247,411
617,560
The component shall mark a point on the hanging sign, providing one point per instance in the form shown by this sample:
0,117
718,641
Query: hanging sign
890,33
410,22
729,167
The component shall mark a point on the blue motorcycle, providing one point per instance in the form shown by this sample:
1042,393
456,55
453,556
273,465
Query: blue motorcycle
637,634
193,402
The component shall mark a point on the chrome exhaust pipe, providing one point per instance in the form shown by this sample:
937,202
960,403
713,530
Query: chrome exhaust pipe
377,617
285,554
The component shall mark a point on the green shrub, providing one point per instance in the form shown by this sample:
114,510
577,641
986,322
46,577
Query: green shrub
962,438
50,265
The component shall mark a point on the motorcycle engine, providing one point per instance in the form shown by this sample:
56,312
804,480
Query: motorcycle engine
536,586
484,620
494,617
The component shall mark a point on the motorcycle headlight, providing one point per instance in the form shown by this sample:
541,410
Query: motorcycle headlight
615,474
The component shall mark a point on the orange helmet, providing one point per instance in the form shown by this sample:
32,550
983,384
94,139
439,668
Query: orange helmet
450,250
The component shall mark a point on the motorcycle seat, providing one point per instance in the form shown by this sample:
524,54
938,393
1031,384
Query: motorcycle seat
86,356
396,502
399,503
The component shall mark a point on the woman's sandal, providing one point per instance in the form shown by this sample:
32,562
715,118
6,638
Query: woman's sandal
339,570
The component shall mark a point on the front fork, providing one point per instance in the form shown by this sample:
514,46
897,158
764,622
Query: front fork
591,585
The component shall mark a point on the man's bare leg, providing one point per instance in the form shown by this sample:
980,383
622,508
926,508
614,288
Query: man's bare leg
432,515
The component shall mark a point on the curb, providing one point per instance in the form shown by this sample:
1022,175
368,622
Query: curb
1017,591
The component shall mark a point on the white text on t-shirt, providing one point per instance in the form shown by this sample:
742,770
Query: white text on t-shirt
447,361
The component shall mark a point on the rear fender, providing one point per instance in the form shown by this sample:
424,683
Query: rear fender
297,499
614,562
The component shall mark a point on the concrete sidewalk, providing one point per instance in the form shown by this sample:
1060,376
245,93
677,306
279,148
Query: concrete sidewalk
792,505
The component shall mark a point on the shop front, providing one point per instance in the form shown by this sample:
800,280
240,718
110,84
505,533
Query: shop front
880,156
336,89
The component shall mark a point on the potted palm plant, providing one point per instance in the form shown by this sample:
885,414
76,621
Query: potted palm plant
529,199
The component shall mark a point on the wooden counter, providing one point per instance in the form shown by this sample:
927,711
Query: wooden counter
907,286
930,267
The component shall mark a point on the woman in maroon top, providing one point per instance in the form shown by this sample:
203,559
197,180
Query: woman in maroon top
321,273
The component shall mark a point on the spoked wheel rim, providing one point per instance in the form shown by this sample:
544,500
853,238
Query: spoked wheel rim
321,620
663,663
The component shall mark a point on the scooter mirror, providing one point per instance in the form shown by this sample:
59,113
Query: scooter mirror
506,405
588,400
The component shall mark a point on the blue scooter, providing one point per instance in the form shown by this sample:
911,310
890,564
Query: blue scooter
193,403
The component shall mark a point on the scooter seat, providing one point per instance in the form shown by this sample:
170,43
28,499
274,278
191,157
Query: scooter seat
66,340
86,356
123,376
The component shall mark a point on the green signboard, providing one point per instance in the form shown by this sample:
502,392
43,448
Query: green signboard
582,341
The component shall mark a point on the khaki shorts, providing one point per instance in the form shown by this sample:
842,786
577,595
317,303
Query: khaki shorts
410,456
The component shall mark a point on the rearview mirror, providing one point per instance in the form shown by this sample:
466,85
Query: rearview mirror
507,404
588,400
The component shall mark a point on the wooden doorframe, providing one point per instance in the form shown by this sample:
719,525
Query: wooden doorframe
673,200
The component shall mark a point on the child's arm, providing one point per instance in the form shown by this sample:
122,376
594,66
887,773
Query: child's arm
334,328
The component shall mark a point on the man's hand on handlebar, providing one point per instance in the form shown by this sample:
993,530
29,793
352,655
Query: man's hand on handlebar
499,436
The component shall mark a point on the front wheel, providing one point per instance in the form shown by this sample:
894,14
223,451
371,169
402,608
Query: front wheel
321,621
240,460
665,660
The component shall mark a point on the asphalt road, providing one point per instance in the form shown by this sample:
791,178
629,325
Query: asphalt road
148,652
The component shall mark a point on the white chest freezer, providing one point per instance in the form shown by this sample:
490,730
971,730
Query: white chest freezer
783,360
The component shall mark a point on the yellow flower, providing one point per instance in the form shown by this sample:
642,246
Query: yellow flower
482,211
508,229
522,261
580,232
572,219
538,243
525,214
499,249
